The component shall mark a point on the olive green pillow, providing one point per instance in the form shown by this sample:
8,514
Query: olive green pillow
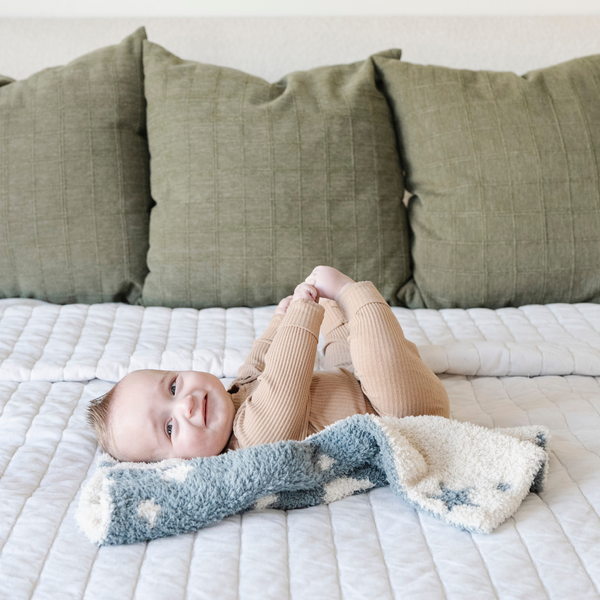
257,183
74,179
505,170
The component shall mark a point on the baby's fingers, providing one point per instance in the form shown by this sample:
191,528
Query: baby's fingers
306,291
312,290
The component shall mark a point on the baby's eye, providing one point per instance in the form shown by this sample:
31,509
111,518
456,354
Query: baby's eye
173,388
169,428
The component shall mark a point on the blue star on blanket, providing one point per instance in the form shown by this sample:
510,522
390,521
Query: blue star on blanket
454,498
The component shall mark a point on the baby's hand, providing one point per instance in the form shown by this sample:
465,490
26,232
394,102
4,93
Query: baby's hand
306,291
328,281
283,306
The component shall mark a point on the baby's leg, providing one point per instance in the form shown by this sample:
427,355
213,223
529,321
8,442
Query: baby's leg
335,331
391,372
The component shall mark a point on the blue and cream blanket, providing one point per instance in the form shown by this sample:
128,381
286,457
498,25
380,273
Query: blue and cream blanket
464,474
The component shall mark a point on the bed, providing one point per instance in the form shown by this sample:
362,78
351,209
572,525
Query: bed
505,367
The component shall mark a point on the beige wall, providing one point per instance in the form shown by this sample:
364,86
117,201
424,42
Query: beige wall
133,8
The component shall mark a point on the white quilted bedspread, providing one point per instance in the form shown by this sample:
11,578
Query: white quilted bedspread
77,342
368,546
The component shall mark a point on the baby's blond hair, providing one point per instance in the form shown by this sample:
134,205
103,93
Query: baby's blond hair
98,417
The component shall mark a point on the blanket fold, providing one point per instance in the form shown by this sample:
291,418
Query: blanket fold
469,476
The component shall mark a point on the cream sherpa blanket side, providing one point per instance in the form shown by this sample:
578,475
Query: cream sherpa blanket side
464,474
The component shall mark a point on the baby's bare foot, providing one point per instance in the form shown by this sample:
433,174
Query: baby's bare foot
329,281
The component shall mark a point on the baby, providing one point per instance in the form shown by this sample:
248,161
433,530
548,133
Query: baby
370,369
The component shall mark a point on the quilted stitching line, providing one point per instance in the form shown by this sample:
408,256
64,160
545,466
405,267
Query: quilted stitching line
467,313
166,338
241,552
335,553
477,371
287,549
540,495
553,453
87,579
140,567
49,551
17,340
502,320
554,310
137,339
474,392
431,342
568,380
2,471
535,324
75,405
578,309
562,412
437,571
58,314
531,558
443,313
387,570
483,562
195,337
189,570
107,341
567,537
2,318
75,344
9,398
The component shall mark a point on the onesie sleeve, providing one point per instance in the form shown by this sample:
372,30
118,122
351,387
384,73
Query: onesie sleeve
255,362
279,406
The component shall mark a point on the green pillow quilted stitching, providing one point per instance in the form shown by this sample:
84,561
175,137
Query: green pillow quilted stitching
505,175
74,179
257,183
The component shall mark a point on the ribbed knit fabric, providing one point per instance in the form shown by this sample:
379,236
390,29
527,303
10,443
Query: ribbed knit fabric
278,396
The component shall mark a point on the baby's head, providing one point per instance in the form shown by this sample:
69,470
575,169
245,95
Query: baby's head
152,415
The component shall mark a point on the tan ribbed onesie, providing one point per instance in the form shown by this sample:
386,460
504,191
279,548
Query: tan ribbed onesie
278,396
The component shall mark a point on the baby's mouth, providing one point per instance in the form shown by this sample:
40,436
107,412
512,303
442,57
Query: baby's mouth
205,407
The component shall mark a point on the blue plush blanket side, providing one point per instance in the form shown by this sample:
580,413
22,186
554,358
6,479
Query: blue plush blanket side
464,474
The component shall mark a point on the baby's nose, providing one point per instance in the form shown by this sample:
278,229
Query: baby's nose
188,406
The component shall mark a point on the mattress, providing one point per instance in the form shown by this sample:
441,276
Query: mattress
503,368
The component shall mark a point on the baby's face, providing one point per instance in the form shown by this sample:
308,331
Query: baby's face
170,414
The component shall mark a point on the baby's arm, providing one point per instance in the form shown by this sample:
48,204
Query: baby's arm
280,405
254,364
